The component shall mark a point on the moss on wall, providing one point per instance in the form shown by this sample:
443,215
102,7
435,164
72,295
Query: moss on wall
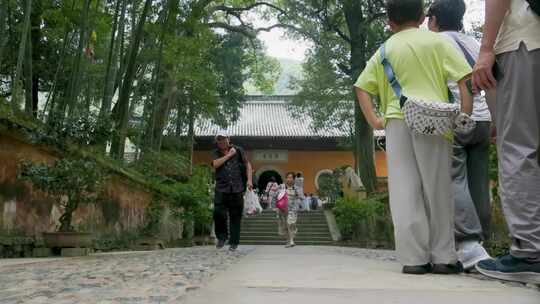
12,190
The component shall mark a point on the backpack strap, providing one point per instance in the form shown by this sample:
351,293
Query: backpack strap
468,55
243,166
240,153
391,75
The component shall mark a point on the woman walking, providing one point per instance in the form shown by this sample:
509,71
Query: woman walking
288,216
271,193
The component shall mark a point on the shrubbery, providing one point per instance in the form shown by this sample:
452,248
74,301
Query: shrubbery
77,179
330,186
366,221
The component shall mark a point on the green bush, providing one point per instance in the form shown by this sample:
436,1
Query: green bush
200,184
162,167
77,179
81,130
153,216
114,241
192,201
499,241
366,221
329,186
186,195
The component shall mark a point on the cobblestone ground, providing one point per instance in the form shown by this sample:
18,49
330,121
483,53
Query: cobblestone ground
137,277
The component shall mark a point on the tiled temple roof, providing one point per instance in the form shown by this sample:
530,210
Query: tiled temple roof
270,117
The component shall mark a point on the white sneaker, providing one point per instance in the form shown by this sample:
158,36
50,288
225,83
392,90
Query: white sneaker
470,253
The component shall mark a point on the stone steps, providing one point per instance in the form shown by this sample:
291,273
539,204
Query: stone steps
263,229
274,234
273,229
283,242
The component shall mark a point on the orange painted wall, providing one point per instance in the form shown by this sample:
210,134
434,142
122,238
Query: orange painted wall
307,162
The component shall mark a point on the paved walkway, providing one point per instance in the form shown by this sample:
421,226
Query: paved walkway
261,275
313,275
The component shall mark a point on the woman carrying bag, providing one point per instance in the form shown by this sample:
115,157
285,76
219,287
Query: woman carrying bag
287,208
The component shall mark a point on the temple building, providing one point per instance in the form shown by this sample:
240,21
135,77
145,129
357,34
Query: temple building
278,142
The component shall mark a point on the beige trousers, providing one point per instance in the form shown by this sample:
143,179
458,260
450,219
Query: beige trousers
421,197
287,225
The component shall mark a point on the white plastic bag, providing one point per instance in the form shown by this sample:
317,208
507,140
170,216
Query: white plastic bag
251,203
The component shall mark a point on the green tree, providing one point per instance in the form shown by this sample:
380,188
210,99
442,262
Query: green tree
21,53
79,180
344,34
3,28
112,58
201,73
121,121
164,64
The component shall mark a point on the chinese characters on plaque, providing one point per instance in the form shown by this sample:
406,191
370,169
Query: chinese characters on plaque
270,155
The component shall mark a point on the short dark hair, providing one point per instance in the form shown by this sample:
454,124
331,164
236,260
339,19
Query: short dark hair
449,14
291,174
403,11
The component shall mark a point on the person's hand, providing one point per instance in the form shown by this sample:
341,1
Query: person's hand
482,76
378,124
250,186
231,152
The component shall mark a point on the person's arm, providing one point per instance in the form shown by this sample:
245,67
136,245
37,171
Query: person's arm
249,175
495,11
216,163
466,97
366,104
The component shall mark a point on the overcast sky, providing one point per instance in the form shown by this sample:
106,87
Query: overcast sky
279,46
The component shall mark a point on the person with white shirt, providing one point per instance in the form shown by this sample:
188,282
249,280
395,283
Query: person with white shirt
511,44
470,159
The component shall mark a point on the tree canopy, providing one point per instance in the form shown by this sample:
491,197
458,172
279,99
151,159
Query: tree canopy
135,71
344,34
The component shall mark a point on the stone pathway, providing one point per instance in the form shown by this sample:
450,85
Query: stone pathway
135,277
255,274
322,275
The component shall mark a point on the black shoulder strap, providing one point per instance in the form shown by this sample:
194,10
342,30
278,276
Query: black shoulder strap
241,154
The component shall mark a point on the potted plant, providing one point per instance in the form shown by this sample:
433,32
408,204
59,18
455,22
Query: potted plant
73,182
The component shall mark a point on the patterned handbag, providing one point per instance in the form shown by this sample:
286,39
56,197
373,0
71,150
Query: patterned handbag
429,118
426,117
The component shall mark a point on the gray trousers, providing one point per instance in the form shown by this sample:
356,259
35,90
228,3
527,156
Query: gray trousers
470,180
421,198
518,142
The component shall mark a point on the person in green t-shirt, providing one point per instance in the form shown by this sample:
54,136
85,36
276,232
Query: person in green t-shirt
419,178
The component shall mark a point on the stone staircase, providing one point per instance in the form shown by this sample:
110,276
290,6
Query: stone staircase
263,229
